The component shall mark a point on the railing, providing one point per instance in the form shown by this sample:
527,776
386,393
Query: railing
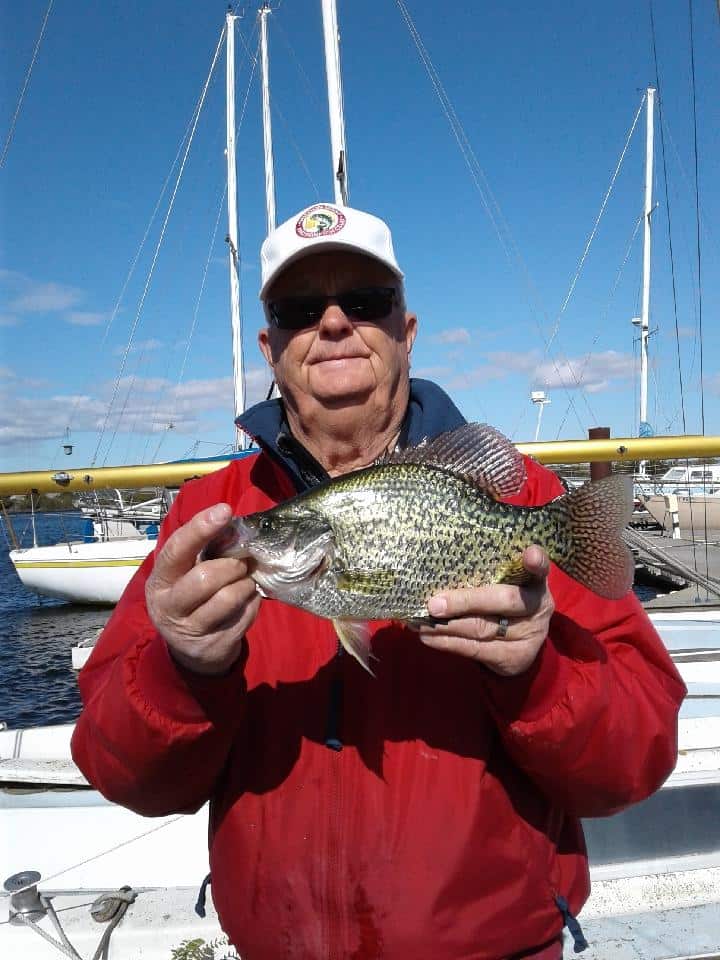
174,474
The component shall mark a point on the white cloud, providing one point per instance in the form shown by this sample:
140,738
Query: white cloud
148,405
457,335
593,372
86,318
431,373
9,320
46,298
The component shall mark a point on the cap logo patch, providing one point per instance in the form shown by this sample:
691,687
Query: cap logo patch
320,220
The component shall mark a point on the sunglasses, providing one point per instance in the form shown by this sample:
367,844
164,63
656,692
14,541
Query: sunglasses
371,304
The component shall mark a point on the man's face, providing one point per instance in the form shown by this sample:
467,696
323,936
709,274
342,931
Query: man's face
339,361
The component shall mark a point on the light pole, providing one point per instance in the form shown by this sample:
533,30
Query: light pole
539,398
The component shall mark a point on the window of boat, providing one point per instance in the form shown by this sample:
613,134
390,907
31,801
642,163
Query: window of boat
677,473
675,822
701,475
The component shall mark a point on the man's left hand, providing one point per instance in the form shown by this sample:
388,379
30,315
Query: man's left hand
476,615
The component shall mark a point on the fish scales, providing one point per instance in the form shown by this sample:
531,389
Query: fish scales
410,531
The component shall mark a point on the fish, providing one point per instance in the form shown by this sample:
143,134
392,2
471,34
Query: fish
377,543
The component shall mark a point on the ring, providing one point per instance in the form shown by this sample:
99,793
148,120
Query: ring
502,628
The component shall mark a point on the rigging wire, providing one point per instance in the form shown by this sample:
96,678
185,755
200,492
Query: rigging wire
594,230
668,220
699,261
196,310
171,205
604,317
491,206
25,86
697,216
133,265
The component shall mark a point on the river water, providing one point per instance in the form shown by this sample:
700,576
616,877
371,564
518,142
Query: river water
37,683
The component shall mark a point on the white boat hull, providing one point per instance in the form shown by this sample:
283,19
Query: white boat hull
695,514
95,573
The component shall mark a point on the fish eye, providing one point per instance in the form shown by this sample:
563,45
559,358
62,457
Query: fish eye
266,523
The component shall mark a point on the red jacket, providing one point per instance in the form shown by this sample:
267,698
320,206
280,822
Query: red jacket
447,824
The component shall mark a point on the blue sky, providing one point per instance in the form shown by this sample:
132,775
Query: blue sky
546,94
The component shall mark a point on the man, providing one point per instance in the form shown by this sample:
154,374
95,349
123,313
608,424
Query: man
429,812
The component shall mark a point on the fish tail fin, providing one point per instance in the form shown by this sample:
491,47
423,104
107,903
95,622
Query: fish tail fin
354,635
597,513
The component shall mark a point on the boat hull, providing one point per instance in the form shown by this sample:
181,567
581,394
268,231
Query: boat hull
697,513
93,573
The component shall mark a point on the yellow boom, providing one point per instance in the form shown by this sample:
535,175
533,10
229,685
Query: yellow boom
175,474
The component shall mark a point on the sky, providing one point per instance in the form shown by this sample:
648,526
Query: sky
120,346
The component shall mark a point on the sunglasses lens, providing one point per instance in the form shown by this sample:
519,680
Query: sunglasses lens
369,303
295,313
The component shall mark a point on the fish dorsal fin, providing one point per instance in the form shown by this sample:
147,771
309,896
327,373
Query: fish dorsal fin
475,452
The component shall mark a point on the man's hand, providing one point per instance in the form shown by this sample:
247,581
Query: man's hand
201,609
476,615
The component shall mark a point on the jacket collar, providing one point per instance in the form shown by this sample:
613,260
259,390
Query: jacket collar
430,411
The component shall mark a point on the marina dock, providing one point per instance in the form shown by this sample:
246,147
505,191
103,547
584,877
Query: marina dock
663,562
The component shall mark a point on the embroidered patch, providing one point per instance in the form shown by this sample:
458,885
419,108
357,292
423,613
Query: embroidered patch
320,220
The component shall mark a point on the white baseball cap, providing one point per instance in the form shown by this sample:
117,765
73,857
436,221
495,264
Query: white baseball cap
325,226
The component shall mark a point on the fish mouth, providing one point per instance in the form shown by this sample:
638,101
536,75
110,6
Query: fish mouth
232,541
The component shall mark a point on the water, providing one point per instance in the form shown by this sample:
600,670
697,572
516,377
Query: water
37,683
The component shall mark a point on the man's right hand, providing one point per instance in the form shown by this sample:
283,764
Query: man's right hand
202,609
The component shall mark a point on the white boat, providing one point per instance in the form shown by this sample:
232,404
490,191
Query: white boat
97,568
655,868
94,573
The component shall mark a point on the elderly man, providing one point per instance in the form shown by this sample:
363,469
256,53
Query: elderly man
429,812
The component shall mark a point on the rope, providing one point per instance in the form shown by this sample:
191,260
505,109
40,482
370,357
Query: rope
97,856
25,85
171,205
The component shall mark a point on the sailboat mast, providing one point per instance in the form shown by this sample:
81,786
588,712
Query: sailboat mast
267,121
645,310
335,101
232,235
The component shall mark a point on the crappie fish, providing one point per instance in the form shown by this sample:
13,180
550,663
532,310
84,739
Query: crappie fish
377,543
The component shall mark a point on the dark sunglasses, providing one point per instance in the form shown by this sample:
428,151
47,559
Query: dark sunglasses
371,304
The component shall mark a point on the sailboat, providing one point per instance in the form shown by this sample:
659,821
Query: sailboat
112,879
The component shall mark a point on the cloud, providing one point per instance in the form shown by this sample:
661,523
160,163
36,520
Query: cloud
142,346
457,335
86,318
467,379
9,320
432,373
512,362
593,373
46,298
142,406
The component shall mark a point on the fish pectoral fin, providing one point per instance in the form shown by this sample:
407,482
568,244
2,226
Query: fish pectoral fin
354,635
367,582
513,571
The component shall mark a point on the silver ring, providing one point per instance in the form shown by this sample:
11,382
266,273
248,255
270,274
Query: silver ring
502,628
